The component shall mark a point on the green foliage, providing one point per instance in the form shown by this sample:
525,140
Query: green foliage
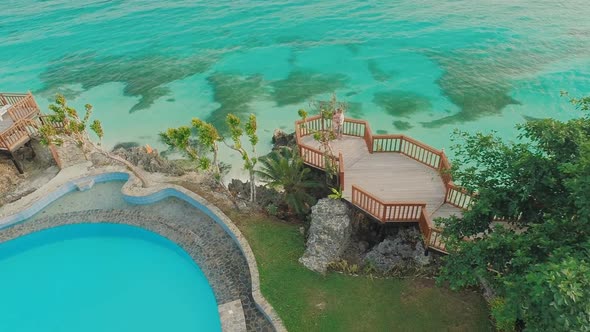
325,109
302,114
505,318
236,132
180,139
284,170
272,209
538,262
96,127
64,123
191,140
580,103
336,193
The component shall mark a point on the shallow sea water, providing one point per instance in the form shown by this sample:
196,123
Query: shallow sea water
419,67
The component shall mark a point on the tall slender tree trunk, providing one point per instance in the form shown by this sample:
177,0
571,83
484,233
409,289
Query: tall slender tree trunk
252,186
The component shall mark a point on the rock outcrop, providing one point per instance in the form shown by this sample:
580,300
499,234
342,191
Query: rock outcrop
401,250
329,234
69,154
148,159
281,139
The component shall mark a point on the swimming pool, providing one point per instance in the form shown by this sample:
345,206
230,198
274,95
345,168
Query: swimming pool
201,230
102,277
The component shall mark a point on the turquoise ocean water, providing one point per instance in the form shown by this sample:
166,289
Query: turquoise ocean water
102,277
420,67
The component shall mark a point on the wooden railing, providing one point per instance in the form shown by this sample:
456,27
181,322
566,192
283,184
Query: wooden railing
315,157
387,143
425,225
15,136
23,106
311,125
436,241
341,171
11,98
353,127
48,120
312,156
458,196
386,211
421,152
445,169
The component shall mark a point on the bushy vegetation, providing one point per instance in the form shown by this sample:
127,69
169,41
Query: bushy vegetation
196,141
539,264
284,170
64,125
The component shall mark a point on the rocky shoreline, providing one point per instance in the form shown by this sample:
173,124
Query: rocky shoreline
386,250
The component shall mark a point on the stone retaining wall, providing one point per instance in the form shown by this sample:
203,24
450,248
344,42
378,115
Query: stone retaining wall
133,193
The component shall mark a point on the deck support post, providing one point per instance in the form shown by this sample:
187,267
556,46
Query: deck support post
17,164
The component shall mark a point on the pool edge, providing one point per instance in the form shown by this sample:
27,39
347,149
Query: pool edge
134,193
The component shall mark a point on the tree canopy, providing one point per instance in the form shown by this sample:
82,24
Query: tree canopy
538,262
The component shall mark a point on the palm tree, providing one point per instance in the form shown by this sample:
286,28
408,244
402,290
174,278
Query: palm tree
284,170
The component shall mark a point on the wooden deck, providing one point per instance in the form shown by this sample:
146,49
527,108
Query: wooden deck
18,123
391,177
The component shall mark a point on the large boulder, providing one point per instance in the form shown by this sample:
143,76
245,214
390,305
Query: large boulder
329,234
401,250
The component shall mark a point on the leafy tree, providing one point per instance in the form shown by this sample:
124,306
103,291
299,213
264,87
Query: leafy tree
284,170
65,125
207,137
538,259
191,141
237,131
324,137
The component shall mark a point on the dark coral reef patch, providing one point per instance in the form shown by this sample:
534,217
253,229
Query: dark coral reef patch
233,93
401,103
302,85
144,76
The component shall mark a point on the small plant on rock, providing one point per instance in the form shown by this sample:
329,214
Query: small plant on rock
336,194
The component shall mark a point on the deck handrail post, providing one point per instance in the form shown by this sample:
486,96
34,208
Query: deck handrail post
341,171
3,143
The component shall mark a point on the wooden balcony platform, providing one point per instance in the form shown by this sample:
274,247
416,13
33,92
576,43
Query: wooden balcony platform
393,178
18,123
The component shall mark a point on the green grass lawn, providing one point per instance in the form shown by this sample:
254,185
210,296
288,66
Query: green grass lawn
307,301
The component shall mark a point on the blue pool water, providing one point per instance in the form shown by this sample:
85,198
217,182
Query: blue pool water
420,67
102,277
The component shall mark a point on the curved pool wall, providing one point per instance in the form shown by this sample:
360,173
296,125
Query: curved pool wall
135,194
